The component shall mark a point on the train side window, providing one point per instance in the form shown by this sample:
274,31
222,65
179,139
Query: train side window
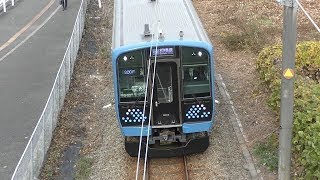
131,77
196,72
196,81
131,86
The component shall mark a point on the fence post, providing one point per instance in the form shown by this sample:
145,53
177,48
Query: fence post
99,1
4,5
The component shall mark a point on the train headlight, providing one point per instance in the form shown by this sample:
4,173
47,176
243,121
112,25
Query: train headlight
125,58
199,53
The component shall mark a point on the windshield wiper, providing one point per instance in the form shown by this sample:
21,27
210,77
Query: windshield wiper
196,98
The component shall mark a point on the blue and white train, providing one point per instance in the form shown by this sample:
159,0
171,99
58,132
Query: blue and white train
169,35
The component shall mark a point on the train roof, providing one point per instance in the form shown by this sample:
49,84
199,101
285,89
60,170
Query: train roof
172,16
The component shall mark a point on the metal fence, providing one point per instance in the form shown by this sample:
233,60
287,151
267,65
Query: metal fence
32,158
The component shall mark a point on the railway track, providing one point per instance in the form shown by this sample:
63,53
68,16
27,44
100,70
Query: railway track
167,168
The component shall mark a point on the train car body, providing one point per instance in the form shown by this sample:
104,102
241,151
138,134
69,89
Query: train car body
170,34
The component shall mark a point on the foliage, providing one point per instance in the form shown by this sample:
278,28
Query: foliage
268,152
306,130
269,65
83,165
307,62
308,59
306,137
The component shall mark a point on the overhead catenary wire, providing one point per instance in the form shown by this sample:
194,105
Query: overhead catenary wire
151,101
308,16
144,108
145,98
158,11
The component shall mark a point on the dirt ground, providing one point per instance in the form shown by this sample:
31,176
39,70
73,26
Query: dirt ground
84,118
238,67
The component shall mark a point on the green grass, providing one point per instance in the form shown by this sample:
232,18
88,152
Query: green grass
267,152
83,168
49,174
103,52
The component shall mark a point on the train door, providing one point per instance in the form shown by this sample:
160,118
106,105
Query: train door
166,97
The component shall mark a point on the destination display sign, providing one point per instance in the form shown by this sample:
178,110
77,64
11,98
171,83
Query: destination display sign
163,51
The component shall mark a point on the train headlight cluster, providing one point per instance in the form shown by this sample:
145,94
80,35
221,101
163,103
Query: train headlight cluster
125,58
133,116
199,53
197,111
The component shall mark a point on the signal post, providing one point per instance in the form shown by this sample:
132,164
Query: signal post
287,87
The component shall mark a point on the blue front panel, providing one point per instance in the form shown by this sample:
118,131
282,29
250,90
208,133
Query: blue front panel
187,128
196,127
135,131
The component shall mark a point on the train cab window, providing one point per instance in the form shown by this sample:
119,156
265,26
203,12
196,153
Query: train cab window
196,73
131,77
164,83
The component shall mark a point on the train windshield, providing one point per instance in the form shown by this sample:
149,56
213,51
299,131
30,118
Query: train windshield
131,77
196,76
164,83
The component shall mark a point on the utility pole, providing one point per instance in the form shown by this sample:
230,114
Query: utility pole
287,86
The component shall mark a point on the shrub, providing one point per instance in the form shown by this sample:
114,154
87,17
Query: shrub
307,62
306,130
308,59
269,65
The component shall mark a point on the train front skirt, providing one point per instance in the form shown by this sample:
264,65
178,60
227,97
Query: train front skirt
192,146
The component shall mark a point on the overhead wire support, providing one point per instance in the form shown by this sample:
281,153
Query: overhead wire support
308,16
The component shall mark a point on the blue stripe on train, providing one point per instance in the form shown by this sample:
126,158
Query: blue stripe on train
196,127
135,131
186,127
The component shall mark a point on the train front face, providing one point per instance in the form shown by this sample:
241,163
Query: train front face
182,107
